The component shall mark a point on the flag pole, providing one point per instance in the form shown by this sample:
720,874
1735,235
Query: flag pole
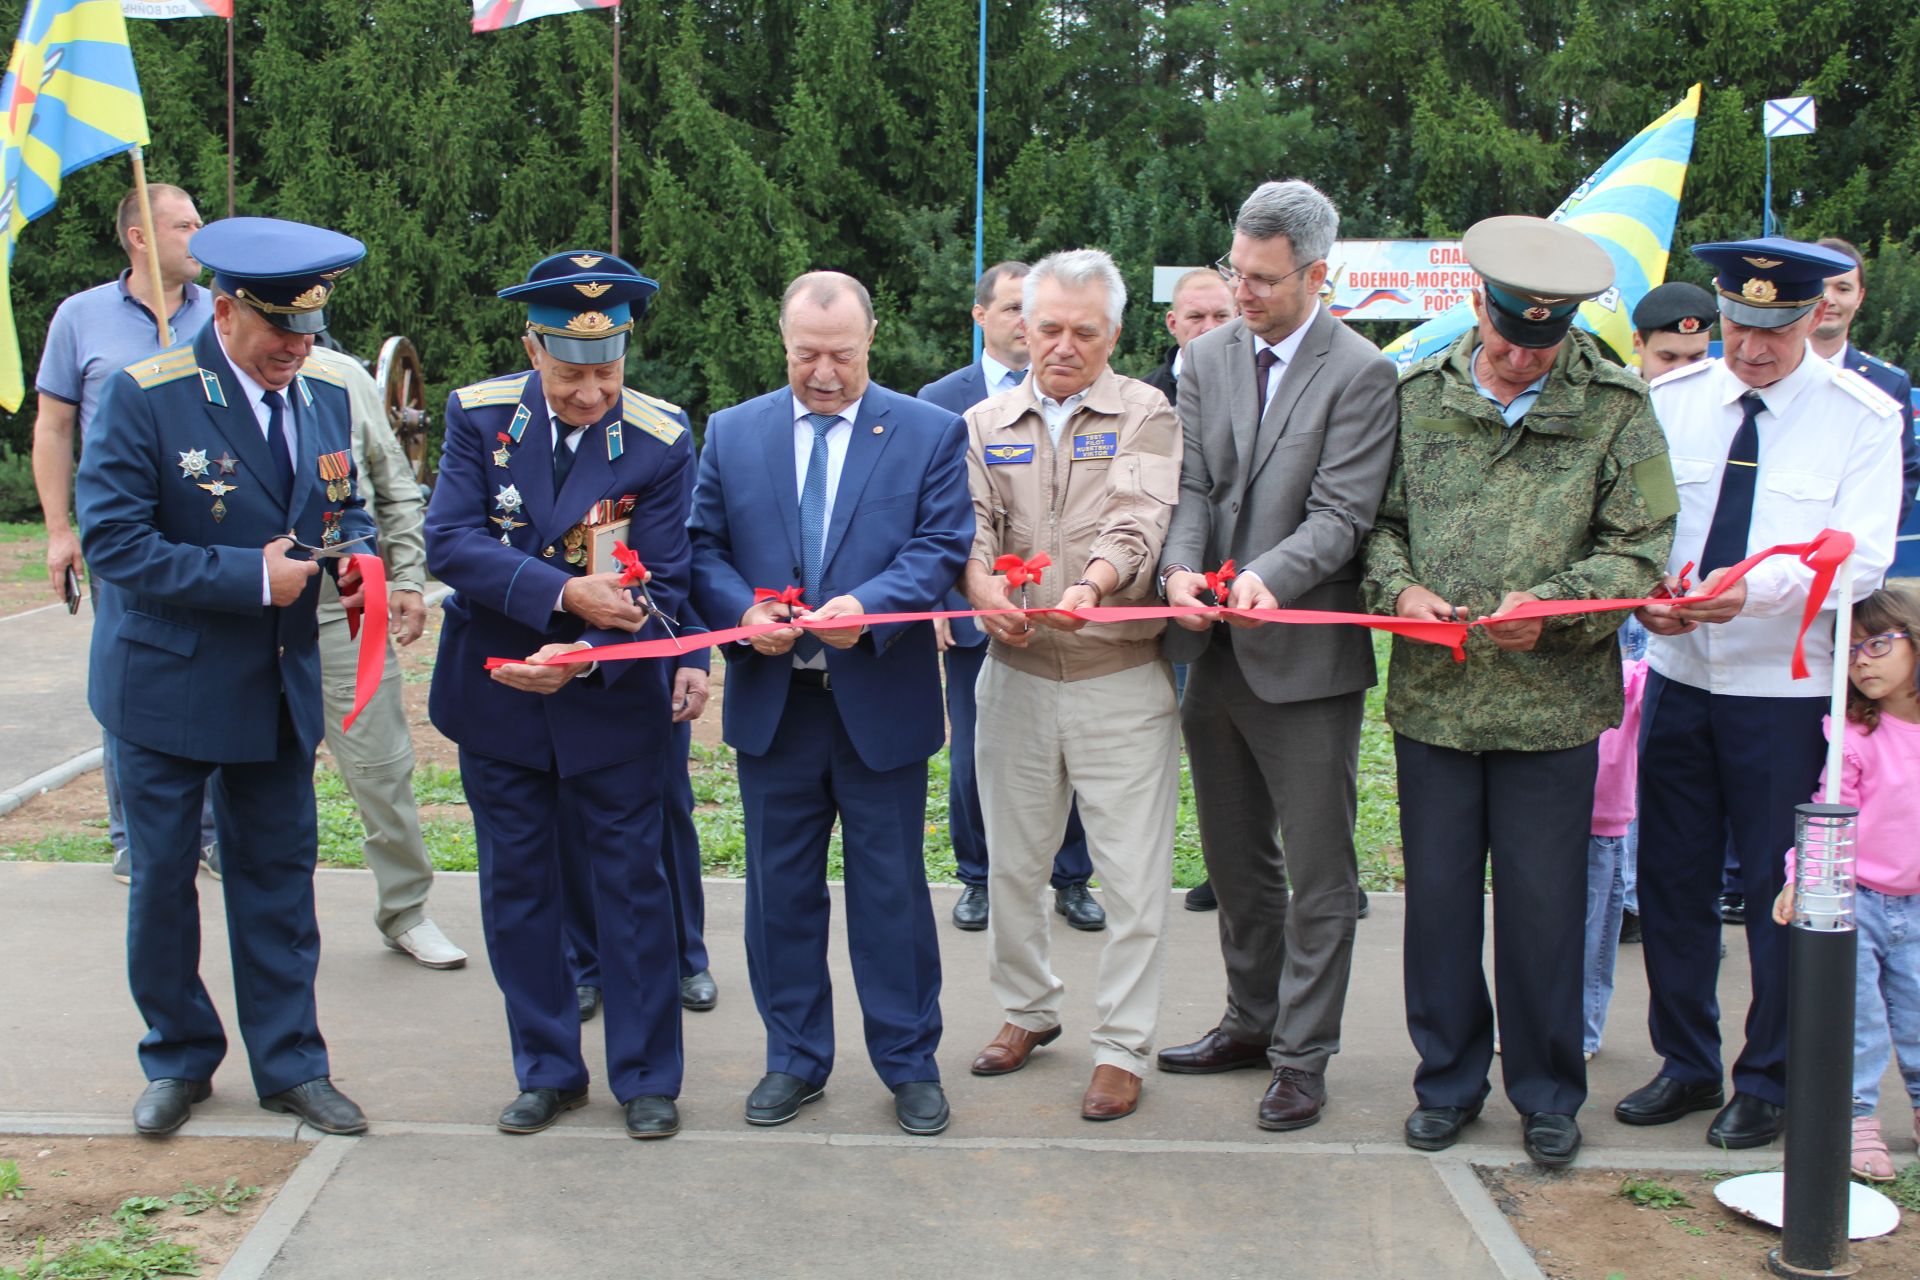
1766,210
229,115
153,247
613,219
980,169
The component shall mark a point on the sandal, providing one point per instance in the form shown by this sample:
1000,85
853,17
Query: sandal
1870,1158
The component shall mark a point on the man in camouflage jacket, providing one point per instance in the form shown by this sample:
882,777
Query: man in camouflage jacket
1528,467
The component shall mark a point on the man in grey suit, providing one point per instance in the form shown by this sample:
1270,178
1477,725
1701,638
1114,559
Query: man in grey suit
1289,421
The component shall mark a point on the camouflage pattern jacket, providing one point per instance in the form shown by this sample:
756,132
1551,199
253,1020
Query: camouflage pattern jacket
1574,501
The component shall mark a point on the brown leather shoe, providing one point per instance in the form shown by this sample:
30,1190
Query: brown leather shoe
1212,1052
1115,1092
1009,1051
1293,1100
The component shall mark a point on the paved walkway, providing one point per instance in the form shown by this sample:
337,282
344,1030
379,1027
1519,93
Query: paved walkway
44,719
1020,1184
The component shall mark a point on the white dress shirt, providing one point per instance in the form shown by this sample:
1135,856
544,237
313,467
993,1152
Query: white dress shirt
254,394
999,376
1829,458
839,436
1056,412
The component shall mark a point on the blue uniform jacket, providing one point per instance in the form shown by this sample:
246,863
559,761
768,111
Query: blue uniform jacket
959,391
174,513
505,558
901,528
1893,380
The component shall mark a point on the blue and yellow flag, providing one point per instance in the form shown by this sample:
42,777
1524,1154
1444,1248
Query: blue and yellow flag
71,98
1628,206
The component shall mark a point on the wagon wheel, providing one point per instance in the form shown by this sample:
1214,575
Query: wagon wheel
404,384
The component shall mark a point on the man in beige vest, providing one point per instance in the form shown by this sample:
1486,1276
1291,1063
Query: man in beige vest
375,757
1084,465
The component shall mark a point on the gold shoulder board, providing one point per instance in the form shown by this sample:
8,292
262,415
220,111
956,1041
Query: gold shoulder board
644,412
493,391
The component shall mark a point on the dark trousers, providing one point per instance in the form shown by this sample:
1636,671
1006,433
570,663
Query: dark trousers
268,839
791,796
615,831
965,822
680,860
1715,768
1533,810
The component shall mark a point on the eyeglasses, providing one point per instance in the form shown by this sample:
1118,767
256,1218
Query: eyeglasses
1256,286
1875,646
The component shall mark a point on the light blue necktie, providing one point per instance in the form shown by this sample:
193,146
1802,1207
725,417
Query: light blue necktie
813,522
1012,378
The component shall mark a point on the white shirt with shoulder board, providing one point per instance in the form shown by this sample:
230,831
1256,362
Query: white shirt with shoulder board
839,436
1829,459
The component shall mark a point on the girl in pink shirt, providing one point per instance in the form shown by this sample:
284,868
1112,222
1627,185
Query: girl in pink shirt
1880,776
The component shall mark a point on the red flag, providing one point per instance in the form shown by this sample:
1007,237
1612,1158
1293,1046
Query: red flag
492,15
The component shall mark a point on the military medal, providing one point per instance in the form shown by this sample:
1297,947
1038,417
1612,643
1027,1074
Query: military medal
219,488
575,541
193,463
508,498
501,456
335,468
329,528
227,463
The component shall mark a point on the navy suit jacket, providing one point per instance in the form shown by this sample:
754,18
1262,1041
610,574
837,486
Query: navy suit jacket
507,580
901,528
186,659
1893,380
959,391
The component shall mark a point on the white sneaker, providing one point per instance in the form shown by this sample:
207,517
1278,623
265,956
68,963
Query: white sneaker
427,945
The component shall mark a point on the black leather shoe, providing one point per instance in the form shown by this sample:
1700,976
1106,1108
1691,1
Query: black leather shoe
321,1105
1629,928
537,1109
589,998
1551,1140
970,913
1365,908
1733,908
1200,897
699,992
1213,1052
921,1107
1747,1121
1664,1100
778,1098
1078,906
652,1116
166,1104
1437,1128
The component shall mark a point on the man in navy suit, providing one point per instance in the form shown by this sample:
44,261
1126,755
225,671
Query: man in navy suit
212,471
1832,341
859,494
1001,367
544,474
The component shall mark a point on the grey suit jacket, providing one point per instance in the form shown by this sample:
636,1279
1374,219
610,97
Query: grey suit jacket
1289,497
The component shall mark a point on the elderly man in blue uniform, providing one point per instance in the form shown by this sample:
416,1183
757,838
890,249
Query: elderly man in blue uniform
1770,445
213,472
859,494
544,475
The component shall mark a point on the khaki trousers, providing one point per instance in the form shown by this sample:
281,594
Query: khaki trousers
1115,742
375,760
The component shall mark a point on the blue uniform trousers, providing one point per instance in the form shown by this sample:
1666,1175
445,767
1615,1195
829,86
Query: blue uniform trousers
810,775
614,836
1532,810
681,862
268,837
965,822
1714,768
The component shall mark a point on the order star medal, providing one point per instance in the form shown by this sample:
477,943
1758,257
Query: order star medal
508,499
193,463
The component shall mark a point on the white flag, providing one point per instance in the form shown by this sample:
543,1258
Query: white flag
1786,117
177,8
492,15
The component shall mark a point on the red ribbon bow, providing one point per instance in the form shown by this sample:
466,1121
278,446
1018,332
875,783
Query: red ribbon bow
790,597
632,572
1218,580
1020,572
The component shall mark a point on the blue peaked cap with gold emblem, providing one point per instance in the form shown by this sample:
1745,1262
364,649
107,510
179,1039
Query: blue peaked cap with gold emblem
284,270
1771,282
580,304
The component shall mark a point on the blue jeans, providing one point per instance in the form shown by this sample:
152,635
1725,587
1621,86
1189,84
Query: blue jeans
1886,995
1606,898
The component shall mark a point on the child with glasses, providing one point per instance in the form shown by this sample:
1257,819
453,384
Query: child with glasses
1880,776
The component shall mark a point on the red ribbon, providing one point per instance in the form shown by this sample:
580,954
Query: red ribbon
1217,580
632,572
1823,554
503,437
371,666
790,597
1020,572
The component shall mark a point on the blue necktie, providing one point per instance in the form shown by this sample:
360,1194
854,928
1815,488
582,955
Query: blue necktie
277,444
1733,514
1012,378
563,460
813,522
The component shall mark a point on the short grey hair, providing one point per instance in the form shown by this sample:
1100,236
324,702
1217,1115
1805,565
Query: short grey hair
1294,209
1076,269
821,288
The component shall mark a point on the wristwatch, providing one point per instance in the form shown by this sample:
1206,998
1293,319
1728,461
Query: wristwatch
1171,569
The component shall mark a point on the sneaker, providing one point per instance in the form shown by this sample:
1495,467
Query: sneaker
1629,928
429,947
1870,1158
123,865
210,859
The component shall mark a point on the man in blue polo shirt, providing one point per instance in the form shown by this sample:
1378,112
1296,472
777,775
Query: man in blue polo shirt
94,335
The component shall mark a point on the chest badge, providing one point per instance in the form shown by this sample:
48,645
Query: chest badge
1096,444
193,463
335,468
508,498
501,456
1000,455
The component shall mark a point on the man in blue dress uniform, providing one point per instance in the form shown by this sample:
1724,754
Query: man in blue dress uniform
543,473
212,473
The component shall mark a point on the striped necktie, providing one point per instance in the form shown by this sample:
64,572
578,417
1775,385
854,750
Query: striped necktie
813,522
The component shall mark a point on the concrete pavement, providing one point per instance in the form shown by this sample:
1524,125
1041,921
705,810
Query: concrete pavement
44,721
